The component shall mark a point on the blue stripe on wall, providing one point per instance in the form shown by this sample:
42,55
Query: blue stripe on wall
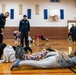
45,13
29,13
61,14
11,13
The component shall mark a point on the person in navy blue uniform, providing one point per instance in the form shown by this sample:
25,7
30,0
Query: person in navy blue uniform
2,24
24,28
73,32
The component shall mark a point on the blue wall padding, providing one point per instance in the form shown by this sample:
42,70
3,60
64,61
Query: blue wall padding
11,13
45,14
29,13
54,0
61,14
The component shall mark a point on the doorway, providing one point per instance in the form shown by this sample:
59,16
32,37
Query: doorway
70,22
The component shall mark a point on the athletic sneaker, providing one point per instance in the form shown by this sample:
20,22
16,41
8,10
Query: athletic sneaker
16,63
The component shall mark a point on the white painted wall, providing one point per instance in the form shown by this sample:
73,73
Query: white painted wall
69,7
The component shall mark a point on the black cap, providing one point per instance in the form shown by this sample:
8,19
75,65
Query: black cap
24,16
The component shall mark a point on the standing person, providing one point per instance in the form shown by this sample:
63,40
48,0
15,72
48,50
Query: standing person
24,28
2,24
73,32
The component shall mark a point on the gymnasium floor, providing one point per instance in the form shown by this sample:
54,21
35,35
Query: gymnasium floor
62,45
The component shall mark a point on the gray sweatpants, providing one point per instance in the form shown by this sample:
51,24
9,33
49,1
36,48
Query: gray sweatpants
50,62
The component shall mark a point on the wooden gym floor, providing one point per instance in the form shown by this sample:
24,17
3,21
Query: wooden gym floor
62,45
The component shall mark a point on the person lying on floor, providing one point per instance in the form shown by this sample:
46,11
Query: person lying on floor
40,55
24,54
58,61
